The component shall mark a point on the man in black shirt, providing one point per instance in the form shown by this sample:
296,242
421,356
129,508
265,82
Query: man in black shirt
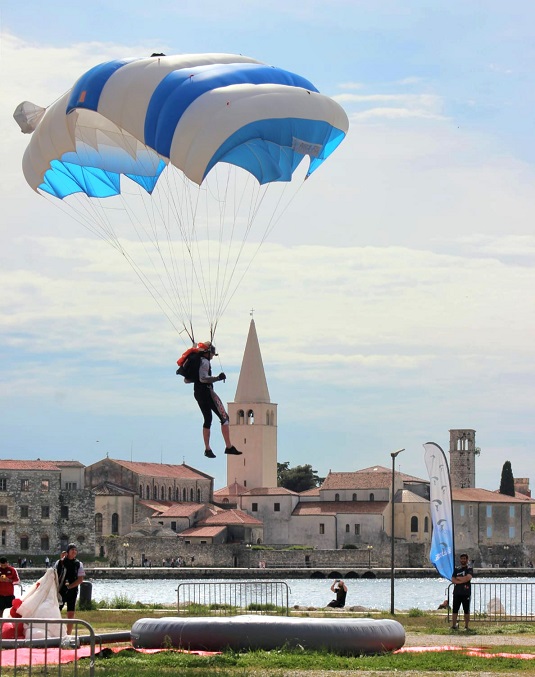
462,591
70,574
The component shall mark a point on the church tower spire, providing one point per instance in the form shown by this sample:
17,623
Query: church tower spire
253,423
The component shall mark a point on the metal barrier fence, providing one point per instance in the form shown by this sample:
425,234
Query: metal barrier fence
232,598
499,602
22,656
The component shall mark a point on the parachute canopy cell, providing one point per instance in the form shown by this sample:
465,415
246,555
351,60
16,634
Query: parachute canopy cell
133,116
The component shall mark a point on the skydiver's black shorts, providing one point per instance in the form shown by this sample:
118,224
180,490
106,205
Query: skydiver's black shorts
209,402
68,597
460,601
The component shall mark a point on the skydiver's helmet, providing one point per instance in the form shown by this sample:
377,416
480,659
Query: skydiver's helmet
207,347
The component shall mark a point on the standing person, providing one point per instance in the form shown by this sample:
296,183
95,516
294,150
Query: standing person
8,577
340,590
462,591
47,562
208,401
70,574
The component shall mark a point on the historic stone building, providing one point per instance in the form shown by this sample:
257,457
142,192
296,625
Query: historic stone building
44,506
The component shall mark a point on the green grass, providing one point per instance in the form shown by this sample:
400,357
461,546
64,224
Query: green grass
283,662
287,662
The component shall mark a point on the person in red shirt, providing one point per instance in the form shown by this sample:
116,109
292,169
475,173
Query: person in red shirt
8,577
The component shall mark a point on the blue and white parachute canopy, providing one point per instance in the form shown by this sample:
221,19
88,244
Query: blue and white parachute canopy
132,117
183,164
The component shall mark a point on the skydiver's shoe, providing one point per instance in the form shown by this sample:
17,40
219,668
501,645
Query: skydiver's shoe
232,450
455,627
209,453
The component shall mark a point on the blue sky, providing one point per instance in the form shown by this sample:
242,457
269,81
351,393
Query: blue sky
394,302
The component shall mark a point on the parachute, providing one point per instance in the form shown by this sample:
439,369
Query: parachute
173,159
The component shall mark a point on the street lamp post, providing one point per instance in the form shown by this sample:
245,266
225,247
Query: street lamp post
369,548
126,545
392,535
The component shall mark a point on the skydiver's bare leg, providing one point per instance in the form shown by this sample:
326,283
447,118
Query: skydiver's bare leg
225,430
206,437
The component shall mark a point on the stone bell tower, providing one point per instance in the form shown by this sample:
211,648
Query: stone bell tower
253,423
463,458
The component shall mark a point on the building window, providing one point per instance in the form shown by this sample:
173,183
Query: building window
489,511
241,417
203,542
426,525
45,485
184,494
372,497
4,536
191,495
177,494
24,543
64,512
3,484
25,485
347,528
250,417
322,528
198,495
155,493
140,491
24,511
337,497
71,486
98,523
254,507
45,512
147,492
354,497
170,494
162,494
225,500
277,507
173,526
461,510
414,524
511,511
357,529
3,510
45,543
489,532
511,532
115,523
470,510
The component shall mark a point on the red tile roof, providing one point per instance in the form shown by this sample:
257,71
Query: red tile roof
169,509
182,471
232,516
486,496
29,465
234,489
340,507
200,532
270,491
374,477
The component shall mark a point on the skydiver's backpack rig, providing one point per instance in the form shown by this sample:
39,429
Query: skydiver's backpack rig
189,363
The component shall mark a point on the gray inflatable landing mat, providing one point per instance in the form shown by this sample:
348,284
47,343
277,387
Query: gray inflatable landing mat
339,635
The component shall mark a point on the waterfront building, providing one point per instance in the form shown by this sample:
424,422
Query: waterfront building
43,507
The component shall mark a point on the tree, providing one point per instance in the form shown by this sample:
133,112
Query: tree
507,482
298,478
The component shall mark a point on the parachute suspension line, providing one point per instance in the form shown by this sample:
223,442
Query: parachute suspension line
272,222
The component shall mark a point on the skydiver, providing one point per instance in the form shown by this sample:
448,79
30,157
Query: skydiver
208,401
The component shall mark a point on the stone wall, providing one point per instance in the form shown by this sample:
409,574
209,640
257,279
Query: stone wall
36,508
239,555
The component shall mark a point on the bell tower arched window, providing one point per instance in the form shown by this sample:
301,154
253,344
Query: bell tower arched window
250,417
240,417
